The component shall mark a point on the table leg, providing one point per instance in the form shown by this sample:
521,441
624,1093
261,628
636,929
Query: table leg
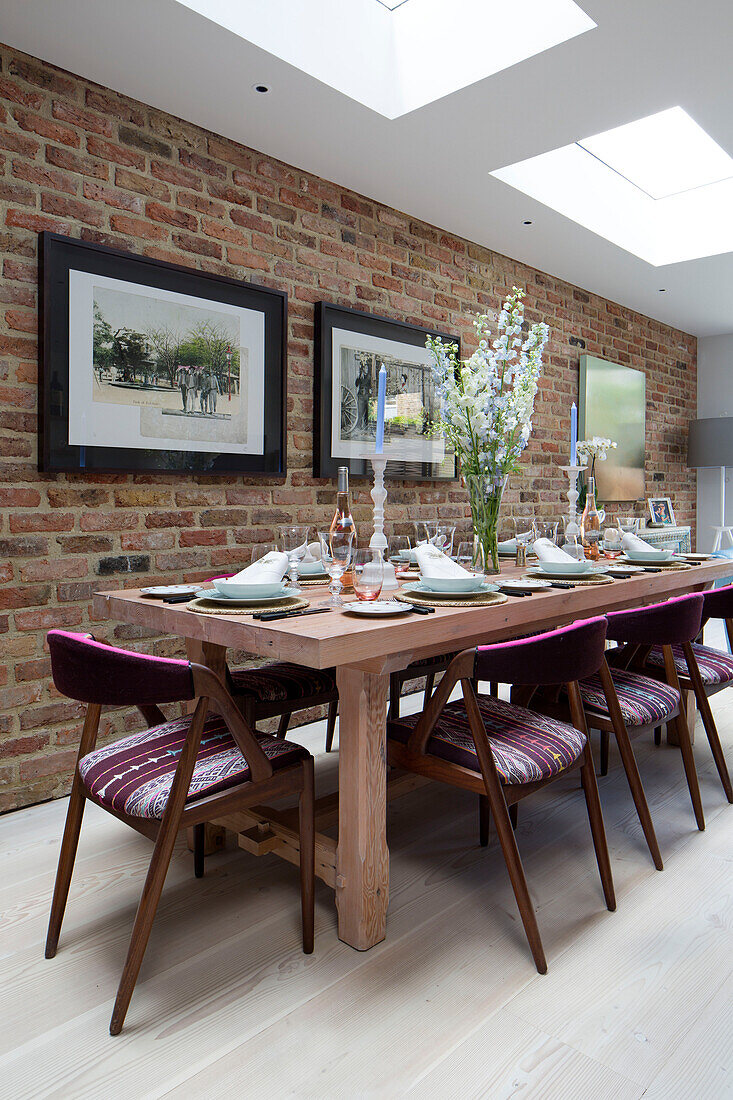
214,657
362,862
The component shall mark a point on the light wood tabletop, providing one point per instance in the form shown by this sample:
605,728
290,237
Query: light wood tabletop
364,653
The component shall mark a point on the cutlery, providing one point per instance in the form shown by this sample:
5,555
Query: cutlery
561,584
268,616
178,599
513,592
422,610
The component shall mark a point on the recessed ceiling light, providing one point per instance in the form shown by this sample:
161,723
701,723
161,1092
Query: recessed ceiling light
400,63
660,188
528,222
263,89
662,290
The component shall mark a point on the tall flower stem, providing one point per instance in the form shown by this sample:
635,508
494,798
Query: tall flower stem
485,500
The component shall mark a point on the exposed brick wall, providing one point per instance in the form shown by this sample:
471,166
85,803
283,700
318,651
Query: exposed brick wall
81,160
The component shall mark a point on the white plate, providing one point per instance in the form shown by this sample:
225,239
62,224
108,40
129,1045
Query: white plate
377,607
696,557
419,586
624,567
530,585
554,568
212,594
594,569
163,590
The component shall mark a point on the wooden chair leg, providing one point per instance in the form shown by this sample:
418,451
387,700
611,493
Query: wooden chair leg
657,735
595,817
282,726
688,760
518,880
306,823
67,857
429,685
484,820
637,793
158,868
605,744
331,724
199,849
514,815
708,720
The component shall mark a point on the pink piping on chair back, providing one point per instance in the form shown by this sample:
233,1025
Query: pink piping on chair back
718,603
92,672
669,623
557,657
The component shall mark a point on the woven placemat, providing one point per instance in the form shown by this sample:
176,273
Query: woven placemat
309,582
656,564
204,606
484,599
596,578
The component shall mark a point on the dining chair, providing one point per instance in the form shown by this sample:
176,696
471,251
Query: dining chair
504,752
704,671
623,698
427,667
173,775
280,688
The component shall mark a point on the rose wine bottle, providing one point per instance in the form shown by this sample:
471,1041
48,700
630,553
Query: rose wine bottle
590,523
342,517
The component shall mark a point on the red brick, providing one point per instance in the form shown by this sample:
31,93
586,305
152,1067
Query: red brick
13,92
41,521
198,538
144,185
47,618
19,498
21,322
109,150
179,218
76,162
71,208
44,127
136,227
112,197
44,177
17,143
87,120
108,521
171,173
53,570
36,222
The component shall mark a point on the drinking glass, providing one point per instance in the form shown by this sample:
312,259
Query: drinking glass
424,530
398,549
294,540
611,542
261,550
442,537
471,556
367,567
547,529
574,547
629,524
525,530
336,547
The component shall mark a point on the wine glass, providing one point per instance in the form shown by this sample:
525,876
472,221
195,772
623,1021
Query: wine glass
336,548
525,530
442,537
611,542
261,550
628,524
294,541
471,556
547,529
424,529
367,567
398,549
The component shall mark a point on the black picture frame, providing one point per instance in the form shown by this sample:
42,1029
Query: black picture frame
329,316
60,255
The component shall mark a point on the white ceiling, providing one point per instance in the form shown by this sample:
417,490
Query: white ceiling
644,56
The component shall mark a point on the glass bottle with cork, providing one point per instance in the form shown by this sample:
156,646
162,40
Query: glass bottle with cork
342,517
590,523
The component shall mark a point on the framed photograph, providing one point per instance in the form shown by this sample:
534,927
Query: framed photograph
613,405
148,366
661,511
350,347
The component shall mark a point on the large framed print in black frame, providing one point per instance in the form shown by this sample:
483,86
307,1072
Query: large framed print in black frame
152,367
350,347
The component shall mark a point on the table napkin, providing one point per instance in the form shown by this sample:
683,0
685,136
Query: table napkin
509,546
632,542
272,567
434,563
547,551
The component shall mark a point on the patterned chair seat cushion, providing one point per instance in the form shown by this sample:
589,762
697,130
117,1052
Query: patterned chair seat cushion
527,747
715,666
134,775
643,701
282,681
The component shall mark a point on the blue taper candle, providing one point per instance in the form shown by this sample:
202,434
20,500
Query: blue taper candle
381,397
573,434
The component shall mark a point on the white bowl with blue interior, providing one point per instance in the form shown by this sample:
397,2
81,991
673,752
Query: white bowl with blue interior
470,583
243,590
566,568
649,555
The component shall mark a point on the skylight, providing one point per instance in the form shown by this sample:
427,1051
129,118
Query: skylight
395,56
660,187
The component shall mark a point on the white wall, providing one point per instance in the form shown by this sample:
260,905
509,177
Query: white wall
714,398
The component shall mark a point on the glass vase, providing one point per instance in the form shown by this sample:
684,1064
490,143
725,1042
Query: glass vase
484,494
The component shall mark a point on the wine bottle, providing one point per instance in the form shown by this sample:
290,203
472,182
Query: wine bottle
342,517
590,523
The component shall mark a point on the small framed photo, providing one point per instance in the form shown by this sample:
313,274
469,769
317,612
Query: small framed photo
661,511
149,366
350,348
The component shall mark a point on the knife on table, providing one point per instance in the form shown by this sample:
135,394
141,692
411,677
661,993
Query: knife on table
268,616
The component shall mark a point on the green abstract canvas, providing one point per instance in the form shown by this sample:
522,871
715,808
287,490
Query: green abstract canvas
613,404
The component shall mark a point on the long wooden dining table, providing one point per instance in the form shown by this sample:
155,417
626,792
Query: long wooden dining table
364,651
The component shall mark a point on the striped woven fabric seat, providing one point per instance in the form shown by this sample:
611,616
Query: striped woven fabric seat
134,775
715,666
527,747
281,681
643,701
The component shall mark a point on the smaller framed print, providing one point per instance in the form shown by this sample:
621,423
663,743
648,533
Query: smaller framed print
661,511
350,348
148,366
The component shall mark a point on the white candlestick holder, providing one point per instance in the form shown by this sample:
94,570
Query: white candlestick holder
378,542
571,526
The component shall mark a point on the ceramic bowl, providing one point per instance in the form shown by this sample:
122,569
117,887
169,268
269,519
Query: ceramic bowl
649,555
239,590
565,567
453,584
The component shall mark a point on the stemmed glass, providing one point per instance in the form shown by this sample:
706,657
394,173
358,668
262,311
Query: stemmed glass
261,550
547,529
367,567
442,537
294,541
398,549
336,548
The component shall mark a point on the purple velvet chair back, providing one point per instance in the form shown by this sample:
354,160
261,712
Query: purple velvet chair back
718,603
669,623
92,672
557,657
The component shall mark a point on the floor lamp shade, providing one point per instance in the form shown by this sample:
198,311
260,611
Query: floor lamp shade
710,443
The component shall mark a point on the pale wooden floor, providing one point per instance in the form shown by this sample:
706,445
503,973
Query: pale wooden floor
636,1003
